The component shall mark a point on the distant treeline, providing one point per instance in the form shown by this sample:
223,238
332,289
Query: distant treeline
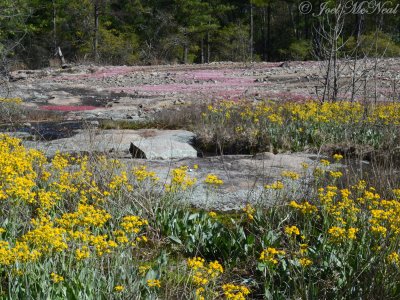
183,31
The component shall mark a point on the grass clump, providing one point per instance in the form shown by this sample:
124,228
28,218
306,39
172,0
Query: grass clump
10,109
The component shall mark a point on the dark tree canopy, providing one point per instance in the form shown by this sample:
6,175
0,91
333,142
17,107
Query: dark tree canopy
177,31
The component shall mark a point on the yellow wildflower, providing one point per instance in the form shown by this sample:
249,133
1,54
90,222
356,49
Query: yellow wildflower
337,157
212,214
305,207
270,255
83,253
153,283
305,262
56,278
119,288
351,233
143,269
235,292
292,230
336,174
394,258
337,233
249,210
213,179
277,185
291,175
325,162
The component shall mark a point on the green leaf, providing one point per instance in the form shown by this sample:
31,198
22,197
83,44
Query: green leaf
175,239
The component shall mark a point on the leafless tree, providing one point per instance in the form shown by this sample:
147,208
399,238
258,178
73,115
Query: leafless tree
349,68
329,44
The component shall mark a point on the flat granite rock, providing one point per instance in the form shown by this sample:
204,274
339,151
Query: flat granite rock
144,143
163,148
171,144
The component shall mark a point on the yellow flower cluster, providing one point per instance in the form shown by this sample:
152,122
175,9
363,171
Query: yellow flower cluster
325,162
305,207
290,174
17,174
141,174
119,288
339,204
272,255
85,216
66,202
154,283
212,214
337,157
339,234
335,174
235,292
81,254
277,185
213,179
394,258
311,111
202,274
292,230
302,120
20,253
45,237
249,211
56,278
119,182
143,269
385,215
133,224
180,180
305,262
131,227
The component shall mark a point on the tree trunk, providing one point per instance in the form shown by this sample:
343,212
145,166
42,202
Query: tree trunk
289,7
208,47
359,21
202,50
185,54
306,27
269,32
96,12
251,31
61,56
264,34
54,27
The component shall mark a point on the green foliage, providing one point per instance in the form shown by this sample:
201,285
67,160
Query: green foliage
197,232
197,31
116,46
230,43
375,44
13,27
300,50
